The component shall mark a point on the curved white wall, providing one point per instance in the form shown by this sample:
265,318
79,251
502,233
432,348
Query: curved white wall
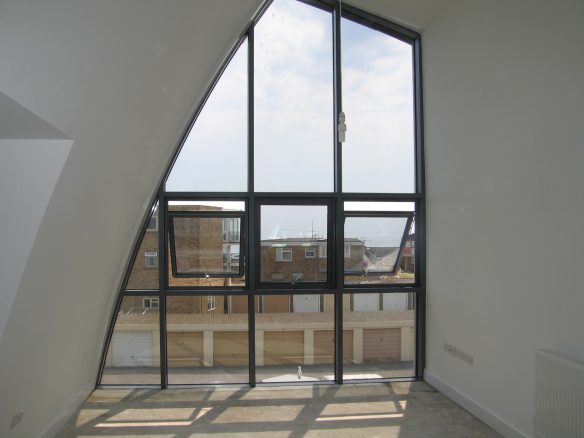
120,79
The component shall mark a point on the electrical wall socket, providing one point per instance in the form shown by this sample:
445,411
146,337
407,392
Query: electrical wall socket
17,418
459,353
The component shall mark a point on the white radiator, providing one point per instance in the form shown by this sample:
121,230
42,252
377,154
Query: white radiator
559,396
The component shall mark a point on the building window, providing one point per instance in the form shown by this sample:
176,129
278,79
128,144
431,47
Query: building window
151,259
211,302
347,250
322,251
152,223
230,230
283,254
150,303
205,244
310,253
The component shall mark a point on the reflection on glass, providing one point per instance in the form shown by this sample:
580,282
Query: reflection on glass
294,338
133,356
207,339
373,250
144,273
206,245
206,249
378,154
293,98
382,331
205,205
293,243
214,155
379,206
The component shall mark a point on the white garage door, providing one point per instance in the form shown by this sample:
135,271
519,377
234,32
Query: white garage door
395,302
132,349
365,302
306,303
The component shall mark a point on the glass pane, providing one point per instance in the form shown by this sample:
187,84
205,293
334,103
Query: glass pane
214,155
133,356
378,101
295,338
207,339
206,245
382,329
144,273
373,253
293,243
293,99
379,206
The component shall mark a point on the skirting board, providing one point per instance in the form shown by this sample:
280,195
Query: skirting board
58,422
475,408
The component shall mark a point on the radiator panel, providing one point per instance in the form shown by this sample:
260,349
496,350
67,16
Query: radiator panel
559,396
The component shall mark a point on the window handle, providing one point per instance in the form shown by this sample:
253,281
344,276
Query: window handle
341,127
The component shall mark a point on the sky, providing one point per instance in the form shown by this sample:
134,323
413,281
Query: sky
293,111
294,120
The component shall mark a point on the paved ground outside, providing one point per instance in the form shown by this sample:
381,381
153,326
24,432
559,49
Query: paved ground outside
268,374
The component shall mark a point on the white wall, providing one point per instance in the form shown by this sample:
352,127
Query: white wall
120,79
33,153
504,126
28,173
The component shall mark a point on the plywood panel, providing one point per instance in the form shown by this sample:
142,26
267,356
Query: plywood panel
185,349
284,348
382,345
324,346
230,348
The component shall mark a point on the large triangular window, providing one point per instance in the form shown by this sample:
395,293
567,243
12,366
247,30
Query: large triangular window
281,245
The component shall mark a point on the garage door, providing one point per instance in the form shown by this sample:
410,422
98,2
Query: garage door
276,304
365,302
185,349
283,348
324,346
238,304
132,349
230,348
381,345
306,303
395,302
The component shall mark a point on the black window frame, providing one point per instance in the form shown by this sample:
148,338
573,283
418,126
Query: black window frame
335,255
329,283
382,214
205,215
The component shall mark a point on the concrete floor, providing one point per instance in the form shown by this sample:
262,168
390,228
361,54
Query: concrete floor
400,410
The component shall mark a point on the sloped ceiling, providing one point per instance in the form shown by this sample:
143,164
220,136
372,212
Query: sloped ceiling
119,78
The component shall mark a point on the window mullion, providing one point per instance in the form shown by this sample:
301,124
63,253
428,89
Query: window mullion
338,206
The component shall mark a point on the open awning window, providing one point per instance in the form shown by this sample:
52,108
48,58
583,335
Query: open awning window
375,244
206,244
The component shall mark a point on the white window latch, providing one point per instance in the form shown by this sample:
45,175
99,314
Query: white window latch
342,127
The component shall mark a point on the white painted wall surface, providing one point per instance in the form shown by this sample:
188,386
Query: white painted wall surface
29,170
504,111
32,153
